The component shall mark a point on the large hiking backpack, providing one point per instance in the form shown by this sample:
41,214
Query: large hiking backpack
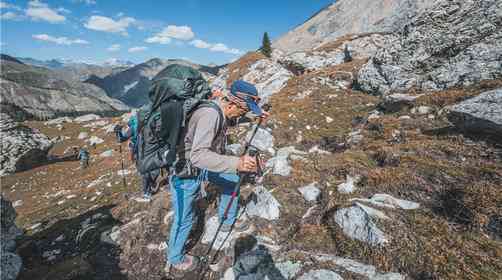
176,91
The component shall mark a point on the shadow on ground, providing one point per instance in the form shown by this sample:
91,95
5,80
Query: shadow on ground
76,248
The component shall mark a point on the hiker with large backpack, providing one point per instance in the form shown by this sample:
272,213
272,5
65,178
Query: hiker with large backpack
185,132
131,133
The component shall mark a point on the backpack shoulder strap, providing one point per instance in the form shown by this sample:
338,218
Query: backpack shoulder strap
211,104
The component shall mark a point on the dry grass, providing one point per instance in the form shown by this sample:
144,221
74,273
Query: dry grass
433,242
240,67
456,95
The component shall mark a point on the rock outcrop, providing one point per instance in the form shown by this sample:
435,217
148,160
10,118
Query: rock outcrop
10,262
21,147
349,17
452,44
481,115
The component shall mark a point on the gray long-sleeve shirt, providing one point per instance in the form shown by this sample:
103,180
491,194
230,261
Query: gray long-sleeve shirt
204,146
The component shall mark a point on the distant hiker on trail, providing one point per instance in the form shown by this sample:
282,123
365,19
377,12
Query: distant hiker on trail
83,156
203,159
131,133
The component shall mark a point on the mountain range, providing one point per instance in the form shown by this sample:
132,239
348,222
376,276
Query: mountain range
32,91
131,85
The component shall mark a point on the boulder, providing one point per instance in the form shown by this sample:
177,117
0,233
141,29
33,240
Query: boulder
263,139
21,146
10,262
386,200
358,224
453,43
269,77
395,102
264,205
87,118
310,192
481,115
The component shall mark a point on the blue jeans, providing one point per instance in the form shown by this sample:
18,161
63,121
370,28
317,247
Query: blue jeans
184,192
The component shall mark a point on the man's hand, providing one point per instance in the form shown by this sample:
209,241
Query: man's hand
247,164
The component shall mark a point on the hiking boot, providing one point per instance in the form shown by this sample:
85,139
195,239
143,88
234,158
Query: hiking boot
189,264
238,226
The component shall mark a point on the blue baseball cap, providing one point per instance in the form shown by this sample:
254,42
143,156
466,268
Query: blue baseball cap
247,92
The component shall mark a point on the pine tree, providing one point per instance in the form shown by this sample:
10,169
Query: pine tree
266,46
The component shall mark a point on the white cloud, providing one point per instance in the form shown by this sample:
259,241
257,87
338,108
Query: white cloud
88,2
59,40
40,11
183,33
219,47
63,10
200,44
114,48
11,16
137,49
158,39
106,24
5,5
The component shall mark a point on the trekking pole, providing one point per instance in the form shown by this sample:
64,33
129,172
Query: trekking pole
122,163
227,208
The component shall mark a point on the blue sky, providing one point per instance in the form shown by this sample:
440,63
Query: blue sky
98,30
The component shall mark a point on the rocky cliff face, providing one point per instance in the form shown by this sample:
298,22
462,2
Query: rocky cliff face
452,44
34,91
21,146
350,17
131,86
10,261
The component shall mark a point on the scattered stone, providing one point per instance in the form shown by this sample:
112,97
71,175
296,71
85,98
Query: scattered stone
87,118
94,140
329,120
395,102
123,172
385,200
481,115
355,137
51,255
405,118
264,206
83,135
356,223
349,186
320,274
421,110
310,192
279,163
58,121
210,231
35,226
317,150
263,139
107,153
17,203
